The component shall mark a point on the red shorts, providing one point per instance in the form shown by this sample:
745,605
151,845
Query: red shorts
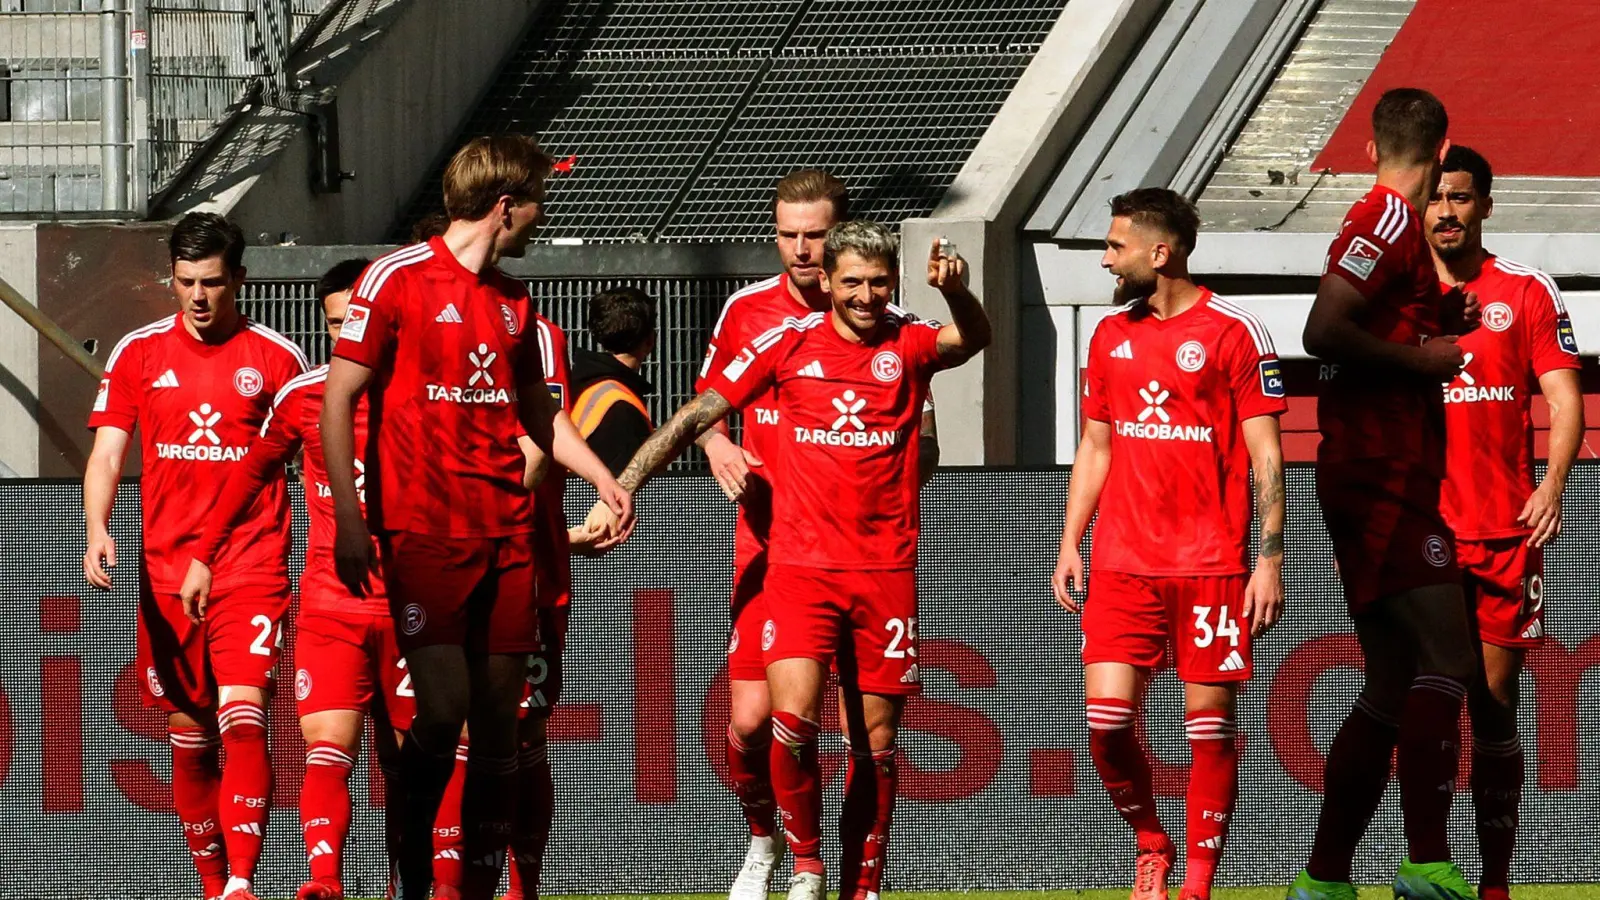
746,617
1134,619
345,660
480,593
543,689
1388,536
865,621
1503,578
237,645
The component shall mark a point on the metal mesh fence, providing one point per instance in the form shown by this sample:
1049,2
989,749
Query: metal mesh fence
997,789
683,114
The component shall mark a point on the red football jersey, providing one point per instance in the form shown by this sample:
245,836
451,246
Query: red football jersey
1384,414
550,528
294,423
1176,500
196,407
1524,334
449,348
748,314
847,447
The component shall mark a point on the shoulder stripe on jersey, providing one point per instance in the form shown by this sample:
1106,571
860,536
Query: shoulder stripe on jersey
315,376
379,271
907,317
1402,222
1394,221
1516,268
1252,323
280,340
1388,215
772,335
154,328
547,348
740,294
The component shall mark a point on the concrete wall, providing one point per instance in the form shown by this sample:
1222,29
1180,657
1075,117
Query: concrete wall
19,357
399,109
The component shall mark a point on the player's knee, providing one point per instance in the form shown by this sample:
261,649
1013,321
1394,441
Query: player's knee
750,720
1385,698
881,736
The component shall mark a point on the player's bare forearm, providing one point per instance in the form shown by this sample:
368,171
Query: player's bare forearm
570,450
1564,395
100,477
1263,439
689,422
1333,331
346,382
537,412
969,330
718,430
1090,466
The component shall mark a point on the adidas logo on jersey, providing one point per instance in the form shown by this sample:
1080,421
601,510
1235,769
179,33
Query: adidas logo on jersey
1233,663
449,314
168,379
1124,350
812,369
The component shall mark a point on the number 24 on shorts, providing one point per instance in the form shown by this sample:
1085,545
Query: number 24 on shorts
1205,634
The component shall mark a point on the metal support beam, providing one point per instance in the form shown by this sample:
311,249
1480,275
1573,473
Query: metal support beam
114,143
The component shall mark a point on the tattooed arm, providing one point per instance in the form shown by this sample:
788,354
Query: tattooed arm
1263,602
689,422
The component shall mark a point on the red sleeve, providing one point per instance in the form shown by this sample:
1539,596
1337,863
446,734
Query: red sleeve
370,324
921,341
117,402
1372,246
751,371
1551,342
726,340
1255,375
269,453
1094,387
557,368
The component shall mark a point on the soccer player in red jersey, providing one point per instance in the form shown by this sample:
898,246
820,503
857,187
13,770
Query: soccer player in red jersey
346,658
850,386
197,386
1181,401
1501,517
805,204
447,344
1383,327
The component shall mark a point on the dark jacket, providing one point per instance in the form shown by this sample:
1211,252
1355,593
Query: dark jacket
610,418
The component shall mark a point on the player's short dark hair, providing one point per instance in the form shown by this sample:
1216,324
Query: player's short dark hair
868,240
202,235
431,225
811,185
342,277
1162,209
1408,125
621,319
1466,159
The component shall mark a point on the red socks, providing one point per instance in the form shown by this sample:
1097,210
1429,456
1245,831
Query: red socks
195,777
750,770
325,809
1428,762
246,785
870,783
488,805
536,802
447,827
1497,773
1213,785
797,788
1354,779
1123,769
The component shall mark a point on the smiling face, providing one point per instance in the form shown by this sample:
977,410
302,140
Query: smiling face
860,289
1453,222
208,292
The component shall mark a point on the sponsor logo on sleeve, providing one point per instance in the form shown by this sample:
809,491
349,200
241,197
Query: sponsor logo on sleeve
102,395
1361,258
1565,336
558,393
355,324
736,369
1272,378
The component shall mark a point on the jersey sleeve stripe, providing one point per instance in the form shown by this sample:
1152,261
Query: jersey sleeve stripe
315,376
1516,268
281,341
1258,330
907,317
547,349
773,335
372,280
1402,223
736,296
1388,214
154,328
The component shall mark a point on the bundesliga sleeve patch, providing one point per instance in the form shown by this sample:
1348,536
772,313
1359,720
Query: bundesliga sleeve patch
1272,378
355,324
1361,258
1565,336
736,368
103,394
558,393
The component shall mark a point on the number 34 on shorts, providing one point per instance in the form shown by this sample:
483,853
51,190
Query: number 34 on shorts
1136,619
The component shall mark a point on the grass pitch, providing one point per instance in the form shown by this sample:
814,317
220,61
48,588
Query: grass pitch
1370,892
